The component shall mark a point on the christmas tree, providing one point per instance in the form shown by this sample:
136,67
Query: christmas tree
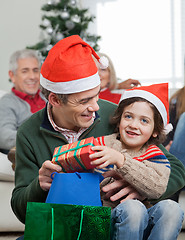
64,18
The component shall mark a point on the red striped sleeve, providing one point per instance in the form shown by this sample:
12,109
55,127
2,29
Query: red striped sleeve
151,152
100,140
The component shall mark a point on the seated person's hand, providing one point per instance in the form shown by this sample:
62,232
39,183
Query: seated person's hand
128,84
169,146
45,174
11,156
120,189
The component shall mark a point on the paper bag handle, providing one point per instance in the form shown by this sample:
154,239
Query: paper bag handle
77,173
52,224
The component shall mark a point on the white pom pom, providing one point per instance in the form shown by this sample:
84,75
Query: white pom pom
104,62
168,128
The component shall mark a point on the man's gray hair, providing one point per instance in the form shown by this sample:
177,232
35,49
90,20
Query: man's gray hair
21,54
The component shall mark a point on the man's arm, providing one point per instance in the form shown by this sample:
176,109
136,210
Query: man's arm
177,175
120,188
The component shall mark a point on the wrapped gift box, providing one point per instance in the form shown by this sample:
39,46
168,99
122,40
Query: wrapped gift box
74,157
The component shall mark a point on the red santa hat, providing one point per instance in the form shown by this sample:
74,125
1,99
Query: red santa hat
70,68
157,94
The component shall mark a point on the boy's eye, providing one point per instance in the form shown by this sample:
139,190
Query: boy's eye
128,116
144,120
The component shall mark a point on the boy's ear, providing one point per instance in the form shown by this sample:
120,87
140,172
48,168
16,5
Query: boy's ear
54,99
154,135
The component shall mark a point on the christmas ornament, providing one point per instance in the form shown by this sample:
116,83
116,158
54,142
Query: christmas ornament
73,3
75,18
49,47
46,23
49,30
59,36
69,24
64,14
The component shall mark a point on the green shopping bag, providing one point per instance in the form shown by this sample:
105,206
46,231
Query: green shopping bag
48,221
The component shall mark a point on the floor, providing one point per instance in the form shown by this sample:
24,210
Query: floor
14,236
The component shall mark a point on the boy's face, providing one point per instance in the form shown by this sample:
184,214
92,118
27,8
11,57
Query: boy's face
136,125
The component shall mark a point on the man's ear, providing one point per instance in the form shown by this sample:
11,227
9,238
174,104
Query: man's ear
11,75
54,100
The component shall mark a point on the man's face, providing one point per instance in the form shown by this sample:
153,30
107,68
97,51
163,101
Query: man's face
79,110
27,76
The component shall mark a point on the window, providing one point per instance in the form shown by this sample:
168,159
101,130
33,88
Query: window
143,39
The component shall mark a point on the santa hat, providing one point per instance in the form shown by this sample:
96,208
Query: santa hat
157,94
70,68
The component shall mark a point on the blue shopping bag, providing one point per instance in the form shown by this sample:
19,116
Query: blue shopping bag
75,188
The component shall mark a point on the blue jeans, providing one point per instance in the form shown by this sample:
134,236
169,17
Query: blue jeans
131,220
177,148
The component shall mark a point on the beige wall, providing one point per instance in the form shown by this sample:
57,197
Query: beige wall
19,27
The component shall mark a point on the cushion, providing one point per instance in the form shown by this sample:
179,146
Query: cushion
6,171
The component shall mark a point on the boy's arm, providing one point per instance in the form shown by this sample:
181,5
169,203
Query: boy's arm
147,173
177,175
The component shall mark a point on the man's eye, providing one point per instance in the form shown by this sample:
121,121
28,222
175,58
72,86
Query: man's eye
84,101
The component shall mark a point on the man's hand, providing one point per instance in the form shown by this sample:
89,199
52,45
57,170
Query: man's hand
45,174
128,84
120,188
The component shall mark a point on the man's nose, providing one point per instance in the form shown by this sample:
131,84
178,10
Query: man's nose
93,107
33,74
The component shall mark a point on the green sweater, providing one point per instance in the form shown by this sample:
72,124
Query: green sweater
35,143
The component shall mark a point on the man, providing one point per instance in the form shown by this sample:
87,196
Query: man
24,99
70,82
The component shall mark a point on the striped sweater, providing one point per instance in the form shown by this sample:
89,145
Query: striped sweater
147,170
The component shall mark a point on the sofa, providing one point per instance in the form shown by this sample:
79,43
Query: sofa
8,221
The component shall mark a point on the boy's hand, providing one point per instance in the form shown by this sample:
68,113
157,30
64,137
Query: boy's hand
106,156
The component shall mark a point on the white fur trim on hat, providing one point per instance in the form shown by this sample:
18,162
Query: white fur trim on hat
73,86
104,62
168,128
151,98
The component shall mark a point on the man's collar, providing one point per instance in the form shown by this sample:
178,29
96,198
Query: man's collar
23,95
